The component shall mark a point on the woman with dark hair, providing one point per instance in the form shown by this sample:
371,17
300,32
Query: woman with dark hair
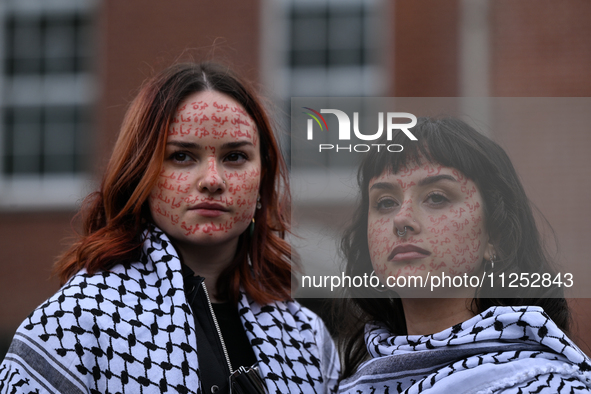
182,276
451,205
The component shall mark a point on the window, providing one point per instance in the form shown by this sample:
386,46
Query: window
328,36
47,93
322,48
333,48
45,140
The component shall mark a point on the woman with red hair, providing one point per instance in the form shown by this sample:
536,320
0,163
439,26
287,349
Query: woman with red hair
182,277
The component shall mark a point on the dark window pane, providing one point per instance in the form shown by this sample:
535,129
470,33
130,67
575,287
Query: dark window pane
82,139
46,140
48,44
309,58
308,41
60,45
59,138
84,43
328,36
24,46
25,135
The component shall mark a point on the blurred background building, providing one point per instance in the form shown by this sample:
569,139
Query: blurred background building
69,68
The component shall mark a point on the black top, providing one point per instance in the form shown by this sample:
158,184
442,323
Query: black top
237,344
213,368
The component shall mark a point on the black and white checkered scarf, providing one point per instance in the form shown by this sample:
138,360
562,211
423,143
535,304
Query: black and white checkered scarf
130,330
503,349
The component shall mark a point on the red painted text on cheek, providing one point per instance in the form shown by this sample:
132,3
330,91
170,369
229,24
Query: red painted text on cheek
458,232
454,236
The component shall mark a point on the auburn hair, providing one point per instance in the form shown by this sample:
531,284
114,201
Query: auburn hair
114,217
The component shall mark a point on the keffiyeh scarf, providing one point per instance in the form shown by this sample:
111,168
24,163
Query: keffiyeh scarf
502,350
130,330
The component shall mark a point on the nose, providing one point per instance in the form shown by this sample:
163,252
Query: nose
212,181
404,221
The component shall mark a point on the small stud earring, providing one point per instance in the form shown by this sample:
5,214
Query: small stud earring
259,205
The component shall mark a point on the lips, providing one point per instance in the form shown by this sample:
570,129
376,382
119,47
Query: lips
209,209
407,252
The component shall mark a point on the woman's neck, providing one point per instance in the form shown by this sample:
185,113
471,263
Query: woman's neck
208,261
425,316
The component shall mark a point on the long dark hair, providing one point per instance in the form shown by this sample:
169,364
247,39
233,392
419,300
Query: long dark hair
114,216
509,221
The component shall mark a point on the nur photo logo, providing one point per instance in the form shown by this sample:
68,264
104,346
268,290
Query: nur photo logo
344,130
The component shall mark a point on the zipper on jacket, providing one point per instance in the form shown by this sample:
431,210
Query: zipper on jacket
217,328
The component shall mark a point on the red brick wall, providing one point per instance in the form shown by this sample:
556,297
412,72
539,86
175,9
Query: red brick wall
540,48
425,51
30,244
543,49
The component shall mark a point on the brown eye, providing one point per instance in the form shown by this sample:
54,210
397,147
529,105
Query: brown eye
436,199
180,157
236,157
385,204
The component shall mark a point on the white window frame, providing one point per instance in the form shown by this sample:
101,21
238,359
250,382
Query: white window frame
48,191
366,80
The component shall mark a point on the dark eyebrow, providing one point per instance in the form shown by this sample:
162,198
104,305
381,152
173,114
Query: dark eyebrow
425,181
185,145
433,179
192,145
236,144
383,186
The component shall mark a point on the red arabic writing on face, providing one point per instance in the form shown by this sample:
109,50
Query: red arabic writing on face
439,208
209,181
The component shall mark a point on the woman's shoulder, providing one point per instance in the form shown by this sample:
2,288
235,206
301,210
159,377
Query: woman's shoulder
307,320
98,320
289,315
87,299
295,329
302,316
532,372
551,382
503,349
